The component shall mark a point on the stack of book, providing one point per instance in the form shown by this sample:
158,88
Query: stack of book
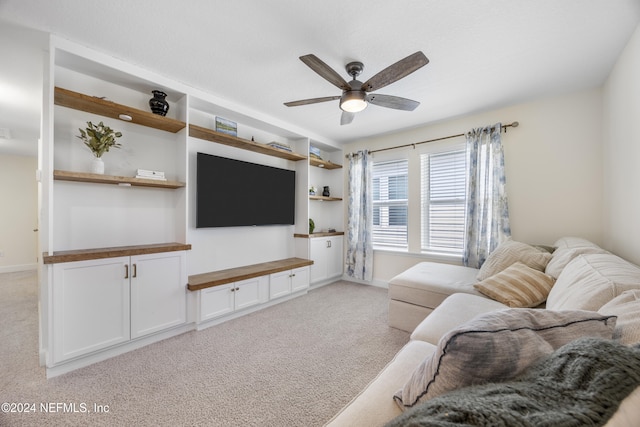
314,152
146,174
280,145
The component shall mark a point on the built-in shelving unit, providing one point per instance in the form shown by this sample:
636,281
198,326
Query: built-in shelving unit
319,234
233,141
103,107
60,175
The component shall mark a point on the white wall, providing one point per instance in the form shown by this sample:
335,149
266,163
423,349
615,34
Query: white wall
18,218
553,166
621,154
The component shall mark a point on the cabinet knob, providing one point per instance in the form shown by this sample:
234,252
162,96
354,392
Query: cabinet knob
232,289
126,271
135,270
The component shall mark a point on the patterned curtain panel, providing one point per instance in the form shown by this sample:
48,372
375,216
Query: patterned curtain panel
360,218
487,209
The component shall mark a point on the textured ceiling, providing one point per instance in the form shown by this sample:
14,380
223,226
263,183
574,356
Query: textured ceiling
483,54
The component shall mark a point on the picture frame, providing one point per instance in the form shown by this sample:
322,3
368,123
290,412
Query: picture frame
226,126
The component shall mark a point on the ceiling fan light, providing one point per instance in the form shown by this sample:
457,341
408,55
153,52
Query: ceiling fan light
353,101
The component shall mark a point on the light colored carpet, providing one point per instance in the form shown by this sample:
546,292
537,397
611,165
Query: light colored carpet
294,364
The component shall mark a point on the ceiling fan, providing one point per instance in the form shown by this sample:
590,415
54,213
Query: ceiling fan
355,94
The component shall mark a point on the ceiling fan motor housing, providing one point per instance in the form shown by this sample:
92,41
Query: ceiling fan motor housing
353,100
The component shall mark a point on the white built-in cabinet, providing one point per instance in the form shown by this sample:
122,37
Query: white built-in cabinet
326,253
104,302
286,282
224,299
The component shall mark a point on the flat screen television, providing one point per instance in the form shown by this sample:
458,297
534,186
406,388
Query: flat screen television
233,193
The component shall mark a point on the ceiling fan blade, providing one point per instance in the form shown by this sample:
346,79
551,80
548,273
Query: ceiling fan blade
311,101
346,118
395,72
325,71
392,102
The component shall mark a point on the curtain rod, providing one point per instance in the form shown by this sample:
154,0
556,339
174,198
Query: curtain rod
514,125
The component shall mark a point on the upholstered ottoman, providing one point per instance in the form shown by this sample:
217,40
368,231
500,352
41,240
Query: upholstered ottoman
416,292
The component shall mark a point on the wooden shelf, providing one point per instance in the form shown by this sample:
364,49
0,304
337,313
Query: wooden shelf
323,164
102,107
99,253
220,277
319,234
116,180
325,199
222,138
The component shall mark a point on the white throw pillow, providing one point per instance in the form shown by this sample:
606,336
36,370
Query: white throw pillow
510,252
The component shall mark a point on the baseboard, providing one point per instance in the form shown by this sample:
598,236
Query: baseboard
376,283
17,268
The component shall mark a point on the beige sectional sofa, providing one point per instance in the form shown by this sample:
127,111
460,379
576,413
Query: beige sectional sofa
586,281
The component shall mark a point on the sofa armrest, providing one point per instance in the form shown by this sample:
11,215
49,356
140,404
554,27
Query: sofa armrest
454,311
374,406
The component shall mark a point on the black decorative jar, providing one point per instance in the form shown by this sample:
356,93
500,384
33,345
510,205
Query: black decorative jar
326,192
158,103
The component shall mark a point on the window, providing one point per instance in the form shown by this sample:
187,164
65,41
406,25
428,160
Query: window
443,188
390,204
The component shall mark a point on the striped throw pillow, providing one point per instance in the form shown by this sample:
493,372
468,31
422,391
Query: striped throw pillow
517,286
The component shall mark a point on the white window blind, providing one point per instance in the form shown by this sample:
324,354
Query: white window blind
443,188
390,204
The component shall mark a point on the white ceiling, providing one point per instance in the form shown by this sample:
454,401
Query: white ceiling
484,54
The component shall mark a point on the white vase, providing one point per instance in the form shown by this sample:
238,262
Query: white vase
97,166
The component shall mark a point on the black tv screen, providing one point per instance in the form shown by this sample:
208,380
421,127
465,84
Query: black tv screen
231,193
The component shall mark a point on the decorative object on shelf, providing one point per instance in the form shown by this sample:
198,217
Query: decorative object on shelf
312,226
326,192
280,146
99,138
226,126
312,191
314,152
158,103
148,174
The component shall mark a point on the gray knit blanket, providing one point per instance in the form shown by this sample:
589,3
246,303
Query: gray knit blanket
580,384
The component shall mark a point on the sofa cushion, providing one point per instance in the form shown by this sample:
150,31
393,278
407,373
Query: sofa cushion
563,256
497,346
517,286
573,242
627,307
428,283
510,252
373,406
591,280
453,312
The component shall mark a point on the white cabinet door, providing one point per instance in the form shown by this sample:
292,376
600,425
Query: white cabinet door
158,292
326,253
300,279
279,284
335,261
251,292
90,309
318,251
216,301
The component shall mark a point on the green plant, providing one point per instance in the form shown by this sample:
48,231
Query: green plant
99,138
312,226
